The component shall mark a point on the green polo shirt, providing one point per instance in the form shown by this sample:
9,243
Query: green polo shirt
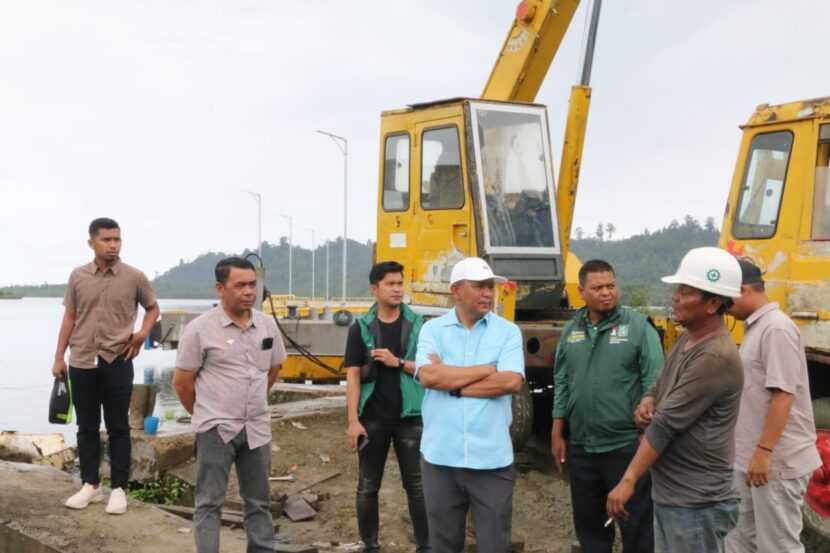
600,373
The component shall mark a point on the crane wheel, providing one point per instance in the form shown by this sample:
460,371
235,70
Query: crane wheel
522,425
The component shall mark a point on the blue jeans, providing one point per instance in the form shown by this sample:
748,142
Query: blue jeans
698,530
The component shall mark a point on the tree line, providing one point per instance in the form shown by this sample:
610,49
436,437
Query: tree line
639,262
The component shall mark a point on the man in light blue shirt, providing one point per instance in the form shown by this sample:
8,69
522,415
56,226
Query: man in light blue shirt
470,361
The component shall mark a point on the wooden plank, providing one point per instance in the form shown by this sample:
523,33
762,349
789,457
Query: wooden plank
306,485
296,508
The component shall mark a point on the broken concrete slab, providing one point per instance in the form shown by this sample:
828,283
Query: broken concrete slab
32,499
152,456
23,448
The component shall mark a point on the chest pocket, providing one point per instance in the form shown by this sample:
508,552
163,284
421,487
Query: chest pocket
487,354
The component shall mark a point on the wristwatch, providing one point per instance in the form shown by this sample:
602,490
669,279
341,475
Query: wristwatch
456,392
401,363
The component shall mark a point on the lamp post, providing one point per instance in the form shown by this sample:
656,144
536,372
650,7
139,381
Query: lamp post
343,146
290,248
327,272
258,199
311,231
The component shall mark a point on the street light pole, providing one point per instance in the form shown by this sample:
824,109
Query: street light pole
327,272
258,199
343,146
312,261
290,248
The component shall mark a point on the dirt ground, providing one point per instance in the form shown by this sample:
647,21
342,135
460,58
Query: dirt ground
307,447
541,504
541,501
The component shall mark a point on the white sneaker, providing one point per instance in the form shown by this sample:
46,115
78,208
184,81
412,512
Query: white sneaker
117,504
87,495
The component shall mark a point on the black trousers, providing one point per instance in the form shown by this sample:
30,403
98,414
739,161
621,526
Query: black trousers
109,386
593,476
372,459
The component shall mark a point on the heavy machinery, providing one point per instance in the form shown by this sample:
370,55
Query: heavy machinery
778,214
474,177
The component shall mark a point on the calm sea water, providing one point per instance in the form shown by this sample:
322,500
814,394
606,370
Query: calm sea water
28,336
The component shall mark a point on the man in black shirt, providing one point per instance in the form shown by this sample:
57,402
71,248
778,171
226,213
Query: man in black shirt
384,401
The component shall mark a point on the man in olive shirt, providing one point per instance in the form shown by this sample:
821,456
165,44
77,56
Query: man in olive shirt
775,439
607,357
690,414
227,361
100,308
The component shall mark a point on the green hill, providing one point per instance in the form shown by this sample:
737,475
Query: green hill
195,279
639,261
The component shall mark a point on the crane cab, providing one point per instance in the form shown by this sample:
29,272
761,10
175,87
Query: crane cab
462,178
778,213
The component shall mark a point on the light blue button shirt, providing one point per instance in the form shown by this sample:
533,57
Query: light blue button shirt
469,432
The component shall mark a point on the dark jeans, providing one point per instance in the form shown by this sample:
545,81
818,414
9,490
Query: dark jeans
110,386
372,459
593,476
214,459
451,492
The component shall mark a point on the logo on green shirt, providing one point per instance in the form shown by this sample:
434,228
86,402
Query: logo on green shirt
576,337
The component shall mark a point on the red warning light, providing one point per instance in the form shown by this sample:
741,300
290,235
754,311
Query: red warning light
524,12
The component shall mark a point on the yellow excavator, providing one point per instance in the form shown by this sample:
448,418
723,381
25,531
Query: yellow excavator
474,177
778,214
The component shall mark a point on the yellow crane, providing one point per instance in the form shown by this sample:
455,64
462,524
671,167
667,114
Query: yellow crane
778,214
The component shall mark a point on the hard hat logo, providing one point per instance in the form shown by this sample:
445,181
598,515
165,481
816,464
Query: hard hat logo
713,275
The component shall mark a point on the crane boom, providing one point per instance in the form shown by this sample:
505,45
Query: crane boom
529,49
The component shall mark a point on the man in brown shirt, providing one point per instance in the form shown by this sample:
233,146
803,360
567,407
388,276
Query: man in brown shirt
99,317
228,359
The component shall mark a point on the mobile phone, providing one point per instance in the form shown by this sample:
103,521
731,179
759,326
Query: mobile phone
362,442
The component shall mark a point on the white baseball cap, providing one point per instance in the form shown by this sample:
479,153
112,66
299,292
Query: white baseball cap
475,269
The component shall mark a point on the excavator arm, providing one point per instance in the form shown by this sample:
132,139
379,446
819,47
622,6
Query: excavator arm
529,49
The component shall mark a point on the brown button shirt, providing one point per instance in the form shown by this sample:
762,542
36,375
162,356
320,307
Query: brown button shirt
105,310
232,365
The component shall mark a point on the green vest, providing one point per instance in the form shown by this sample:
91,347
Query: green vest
598,377
411,392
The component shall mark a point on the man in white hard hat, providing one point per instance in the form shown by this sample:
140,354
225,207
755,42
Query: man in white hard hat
470,361
689,414
775,439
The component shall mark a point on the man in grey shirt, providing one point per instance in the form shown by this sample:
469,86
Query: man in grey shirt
689,414
228,359
775,439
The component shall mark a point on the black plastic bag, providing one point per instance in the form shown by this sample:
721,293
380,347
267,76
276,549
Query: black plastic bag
60,404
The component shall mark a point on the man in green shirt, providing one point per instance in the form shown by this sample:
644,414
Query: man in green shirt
607,357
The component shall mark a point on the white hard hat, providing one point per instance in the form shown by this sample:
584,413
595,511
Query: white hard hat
710,269
475,269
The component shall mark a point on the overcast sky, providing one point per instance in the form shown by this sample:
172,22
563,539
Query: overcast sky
157,113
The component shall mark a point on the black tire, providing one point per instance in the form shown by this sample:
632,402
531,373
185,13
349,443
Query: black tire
522,425
814,522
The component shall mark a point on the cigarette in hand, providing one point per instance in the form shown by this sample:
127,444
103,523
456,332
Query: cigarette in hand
608,522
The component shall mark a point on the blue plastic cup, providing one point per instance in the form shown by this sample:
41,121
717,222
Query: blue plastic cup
151,425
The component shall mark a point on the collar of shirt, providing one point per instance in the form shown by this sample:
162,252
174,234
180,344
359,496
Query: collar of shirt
771,306
452,319
94,269
225,320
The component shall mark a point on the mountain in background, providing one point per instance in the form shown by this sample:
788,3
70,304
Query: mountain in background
639,262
